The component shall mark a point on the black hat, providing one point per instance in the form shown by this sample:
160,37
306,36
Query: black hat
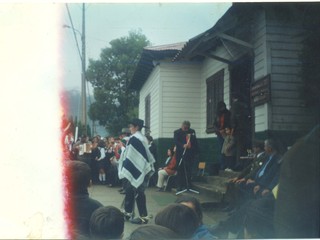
137,122
125,130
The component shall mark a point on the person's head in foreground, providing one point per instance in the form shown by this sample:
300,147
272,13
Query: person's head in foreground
179,218
107,223
153,232
79,176
193,203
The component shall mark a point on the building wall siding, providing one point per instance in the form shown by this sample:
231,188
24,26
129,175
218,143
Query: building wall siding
285,43
180,87
151,87
261,113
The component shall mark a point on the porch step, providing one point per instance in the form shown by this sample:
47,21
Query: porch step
212,188
227,174
208,192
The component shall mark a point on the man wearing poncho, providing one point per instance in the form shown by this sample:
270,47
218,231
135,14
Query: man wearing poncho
136,165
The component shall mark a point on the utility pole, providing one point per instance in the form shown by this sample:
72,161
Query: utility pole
83,74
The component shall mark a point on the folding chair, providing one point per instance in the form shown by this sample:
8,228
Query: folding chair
168,182
201,168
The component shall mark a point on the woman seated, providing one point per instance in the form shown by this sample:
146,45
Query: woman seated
168,170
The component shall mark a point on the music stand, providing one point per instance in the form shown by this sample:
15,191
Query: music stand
187,189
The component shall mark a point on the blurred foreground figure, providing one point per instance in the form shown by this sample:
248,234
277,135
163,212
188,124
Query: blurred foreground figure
80,206
297,210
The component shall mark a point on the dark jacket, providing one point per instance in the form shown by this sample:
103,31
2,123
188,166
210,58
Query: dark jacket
83,207
297,206
270,178
239,117
180,139
222,120
153,150
251,170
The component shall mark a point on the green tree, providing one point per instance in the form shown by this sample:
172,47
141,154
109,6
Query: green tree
115,104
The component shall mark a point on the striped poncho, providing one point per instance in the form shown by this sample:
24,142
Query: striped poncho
136,161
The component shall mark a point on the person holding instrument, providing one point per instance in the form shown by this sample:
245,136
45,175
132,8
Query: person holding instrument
186,149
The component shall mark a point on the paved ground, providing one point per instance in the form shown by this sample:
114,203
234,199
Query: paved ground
155,201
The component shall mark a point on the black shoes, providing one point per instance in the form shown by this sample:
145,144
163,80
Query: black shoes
160,189
140,220
126,215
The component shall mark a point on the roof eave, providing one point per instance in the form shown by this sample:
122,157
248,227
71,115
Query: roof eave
146,65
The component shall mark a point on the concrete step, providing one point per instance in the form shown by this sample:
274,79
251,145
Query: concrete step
217,180
212,188
208,192
227,174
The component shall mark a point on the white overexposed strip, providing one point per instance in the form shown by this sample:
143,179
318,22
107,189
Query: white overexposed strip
31,170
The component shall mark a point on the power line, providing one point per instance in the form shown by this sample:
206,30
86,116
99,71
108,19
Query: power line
74,32
83,63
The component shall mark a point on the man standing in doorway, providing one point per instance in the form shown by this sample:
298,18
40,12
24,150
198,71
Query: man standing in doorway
186,148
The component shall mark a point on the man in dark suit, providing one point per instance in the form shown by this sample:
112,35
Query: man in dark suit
268,175
255,194
186,148
248,173
266,178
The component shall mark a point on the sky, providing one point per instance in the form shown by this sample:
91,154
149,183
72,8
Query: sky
161,23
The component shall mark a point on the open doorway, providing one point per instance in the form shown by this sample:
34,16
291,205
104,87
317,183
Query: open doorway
241,75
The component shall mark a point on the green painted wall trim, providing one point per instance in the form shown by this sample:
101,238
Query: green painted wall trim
209,152
207,147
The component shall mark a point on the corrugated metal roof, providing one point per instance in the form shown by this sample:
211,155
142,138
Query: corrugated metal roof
148,56
173,46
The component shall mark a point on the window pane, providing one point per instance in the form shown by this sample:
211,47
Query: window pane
214,95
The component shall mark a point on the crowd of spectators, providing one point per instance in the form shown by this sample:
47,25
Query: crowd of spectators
101,155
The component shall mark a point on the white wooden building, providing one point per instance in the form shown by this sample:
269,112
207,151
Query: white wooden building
254,50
